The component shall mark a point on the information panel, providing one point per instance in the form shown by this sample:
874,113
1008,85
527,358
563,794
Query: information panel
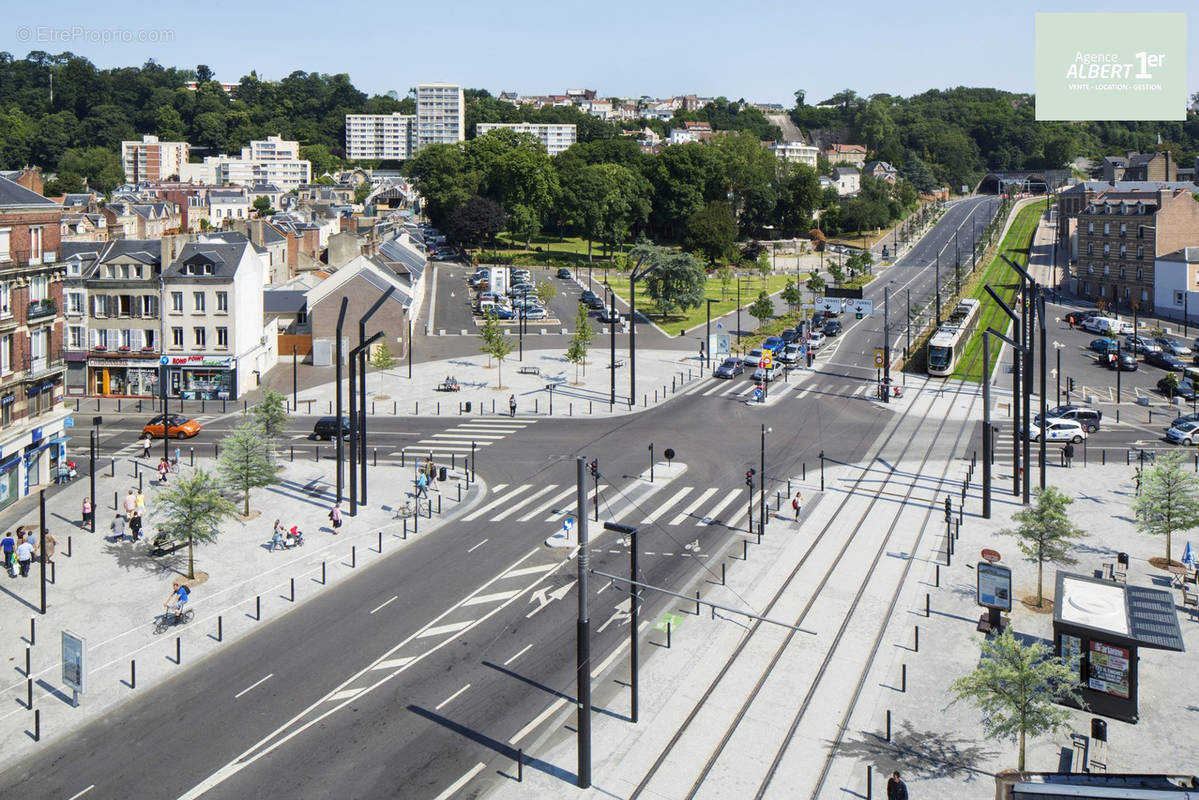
1108,671
994,586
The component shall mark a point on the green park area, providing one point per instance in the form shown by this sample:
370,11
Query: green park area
725,297
549,244
1004,280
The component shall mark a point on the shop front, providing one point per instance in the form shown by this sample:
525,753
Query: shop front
202,377
31,459
136,377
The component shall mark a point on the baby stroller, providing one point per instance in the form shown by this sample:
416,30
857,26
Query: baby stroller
295,537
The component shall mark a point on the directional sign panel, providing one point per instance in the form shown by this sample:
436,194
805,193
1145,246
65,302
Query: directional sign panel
828,304
863,307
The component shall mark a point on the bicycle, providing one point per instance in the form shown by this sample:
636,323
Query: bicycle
422,508
168,619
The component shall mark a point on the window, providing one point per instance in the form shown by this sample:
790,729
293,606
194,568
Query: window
1090,227
1107,228
1123,229
222,337
1107,270
6,411
198,301
39,288
302,316
1140,251
1103,290
149,306
1144,296
148,339
176,337
6,354
1107,249
1177,298
1121,273
1140,274
35,246
75,268
1090,269
1123,251
198,334
4,244
5,299
177,302
222,302
101,339
137,270
75,334
75,302
1090,248
126,339
124,303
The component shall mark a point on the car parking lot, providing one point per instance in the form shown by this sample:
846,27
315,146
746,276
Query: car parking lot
455,301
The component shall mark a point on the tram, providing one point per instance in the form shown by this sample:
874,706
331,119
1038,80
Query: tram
949,341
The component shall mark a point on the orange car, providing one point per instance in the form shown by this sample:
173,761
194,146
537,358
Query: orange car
177,427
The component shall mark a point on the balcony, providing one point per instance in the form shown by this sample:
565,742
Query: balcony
27,258
41,308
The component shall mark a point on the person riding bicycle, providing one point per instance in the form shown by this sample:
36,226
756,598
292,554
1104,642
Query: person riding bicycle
177,600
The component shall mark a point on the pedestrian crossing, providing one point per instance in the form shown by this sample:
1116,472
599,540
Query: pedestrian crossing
134,448
744,390
462,438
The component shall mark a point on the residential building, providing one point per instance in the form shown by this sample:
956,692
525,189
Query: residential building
287,304
1114,168
84,227
847,180
32,414
440,114
152,160
363,282
381,136
795,153
215,339
1120,236
225,206
852,154
881,170
1176,284
1151,167
29,177
690,132
272,148
554,138
1073,200
131,219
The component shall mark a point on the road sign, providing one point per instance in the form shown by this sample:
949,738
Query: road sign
862,307
829,304
990,555
880,357
767,360
839,291
719,344
757,394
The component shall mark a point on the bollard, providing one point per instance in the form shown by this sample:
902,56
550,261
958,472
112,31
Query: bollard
402,458
293,452
667,634
438,507
216,450
353,556
258,607
888,724
37,725
722,580
1117,416
655,395
375,456
803,471
322,573
132,674
316,452
459,491
570,409
590,407
28,668
380,550
112,467
32,620
405,535
520,765
869,781
372,408
916,641
293,590
697,604
29,693
220,628
393,407
938,576
439,408
903,678
114,501
191,452
1103,457
927,602
178,650
745,549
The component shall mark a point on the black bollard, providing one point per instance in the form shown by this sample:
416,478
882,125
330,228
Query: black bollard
37,725
903,678
178,650
29,693
258,607
220,629
668,626
32,638
293,590
916,641
353,556
380,550
927,607
322,573
132,674
888,724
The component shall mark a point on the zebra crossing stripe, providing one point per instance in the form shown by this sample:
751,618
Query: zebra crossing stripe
468,436
711,516
522,502
546,504
662,509
590,502
719,385
495,503
493,421
696,503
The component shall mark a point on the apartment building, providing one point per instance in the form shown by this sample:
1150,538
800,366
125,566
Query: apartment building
226,206
383,136
31,356
852,154
152,160
554,138
795,153
440,114
690,132
1120,236
1176,284
272,148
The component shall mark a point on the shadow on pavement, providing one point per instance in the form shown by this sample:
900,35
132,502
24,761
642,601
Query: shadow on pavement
922,754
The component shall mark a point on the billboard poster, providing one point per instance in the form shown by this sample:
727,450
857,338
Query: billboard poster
994,586
1071,649
1108,669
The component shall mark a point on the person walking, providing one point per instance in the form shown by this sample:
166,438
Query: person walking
25,555
146,445
1136,479
896,788
135,525
8,549
422,486
1068,452
130,503
140,503
335,518
512,405
87,513
118,526
797,504
51,542
164,467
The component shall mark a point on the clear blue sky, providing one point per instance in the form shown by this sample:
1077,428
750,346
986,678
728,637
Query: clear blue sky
762,50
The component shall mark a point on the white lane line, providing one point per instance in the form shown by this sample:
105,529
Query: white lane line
512,509
252,685
520,573
494,421
696,503
710,517
522,651
384,604
442,630
660,510
468,436
476,547
344,694
85,791
499,501
546,504
802,394
495,597
488,428
453,788
498,486
537,720
449,699
393,663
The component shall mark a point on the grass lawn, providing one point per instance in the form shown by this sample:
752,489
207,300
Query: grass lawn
552,244
998,273
696,316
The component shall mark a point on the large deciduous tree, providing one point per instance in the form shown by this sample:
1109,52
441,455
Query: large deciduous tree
711,231
476,222
1169,499
676,280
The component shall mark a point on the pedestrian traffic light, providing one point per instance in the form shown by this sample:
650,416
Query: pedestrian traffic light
749,477
1070,384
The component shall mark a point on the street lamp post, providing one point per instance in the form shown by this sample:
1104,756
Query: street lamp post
634,274
1057,397
295,380
612,346
938,279
762,484
708,332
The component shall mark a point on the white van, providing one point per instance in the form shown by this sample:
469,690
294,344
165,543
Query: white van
1107,326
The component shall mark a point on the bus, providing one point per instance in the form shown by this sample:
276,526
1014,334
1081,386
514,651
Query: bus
950,339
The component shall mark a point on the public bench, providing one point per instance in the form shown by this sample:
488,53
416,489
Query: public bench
448,386
529,370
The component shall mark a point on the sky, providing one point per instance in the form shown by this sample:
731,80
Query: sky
759,50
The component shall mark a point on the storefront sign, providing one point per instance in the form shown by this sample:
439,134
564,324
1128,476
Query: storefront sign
146,363
994,586
1108,669
202,361
38,435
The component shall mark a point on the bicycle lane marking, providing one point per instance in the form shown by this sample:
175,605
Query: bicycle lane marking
343,694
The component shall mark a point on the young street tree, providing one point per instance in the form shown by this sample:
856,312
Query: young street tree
836,271
761,309
576,352
792,295
1045,533
546,292
725,275
382,360
815,283
496,344
1169,500
247,461
192,509
271,415
1016,688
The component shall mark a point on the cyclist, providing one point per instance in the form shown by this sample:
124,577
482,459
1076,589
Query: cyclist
177,600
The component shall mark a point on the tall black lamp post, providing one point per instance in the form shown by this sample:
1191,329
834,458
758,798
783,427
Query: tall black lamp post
708,332
635,274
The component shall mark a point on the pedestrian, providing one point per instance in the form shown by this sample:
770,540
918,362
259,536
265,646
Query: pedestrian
130,502
87,513
135,525
512,405
1136,478
422,486
146,445
335,518
25,555
1070,319
49,551
896,788
164,467
1069,453
797,504
8,548
118,526
140,503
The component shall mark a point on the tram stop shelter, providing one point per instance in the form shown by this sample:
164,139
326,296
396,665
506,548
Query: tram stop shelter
1100,625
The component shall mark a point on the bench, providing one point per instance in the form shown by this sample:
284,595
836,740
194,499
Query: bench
529,370
448,386
161,547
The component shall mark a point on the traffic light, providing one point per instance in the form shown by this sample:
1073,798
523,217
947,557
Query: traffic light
1070,384
749,477
858,315
593,467
948,508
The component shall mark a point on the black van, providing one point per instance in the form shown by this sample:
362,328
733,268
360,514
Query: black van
326,428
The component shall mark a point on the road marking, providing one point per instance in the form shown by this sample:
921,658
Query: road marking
392,663
802,394
252,685
538,509
711,516
496,597
520,573
537,720
718,387
489,428
568,511
453,444
499,501
458,784
441,630
468,436
384,603
476,547
492,421
696,503
660,510
498,486
344,694
519,503
447,701
522,651
85,791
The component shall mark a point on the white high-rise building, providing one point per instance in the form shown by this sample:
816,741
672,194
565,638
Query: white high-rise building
555,138
152,160
440,114
270,160
388,136
272,148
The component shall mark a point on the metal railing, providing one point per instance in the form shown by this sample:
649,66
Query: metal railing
41,308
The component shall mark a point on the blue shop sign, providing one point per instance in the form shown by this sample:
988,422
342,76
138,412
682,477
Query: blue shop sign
37,435
68,422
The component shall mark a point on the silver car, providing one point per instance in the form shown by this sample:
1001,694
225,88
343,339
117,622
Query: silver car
1174,347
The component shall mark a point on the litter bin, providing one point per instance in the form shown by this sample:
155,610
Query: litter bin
468,406
1099,729
441,473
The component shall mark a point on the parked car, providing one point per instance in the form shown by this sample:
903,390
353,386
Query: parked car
788,336
564,273
832,327
1125,362
1184,418
522,288
503,312
177,427
326,428
1141,344
1058,430
591,299
790,353
729,368
1078,317
536,312
1184,433
1099,325
762,374
1105,345
1090,418
1174,347
816,341
1163,360
818,320
608,316
754,356
774,344
1185,389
